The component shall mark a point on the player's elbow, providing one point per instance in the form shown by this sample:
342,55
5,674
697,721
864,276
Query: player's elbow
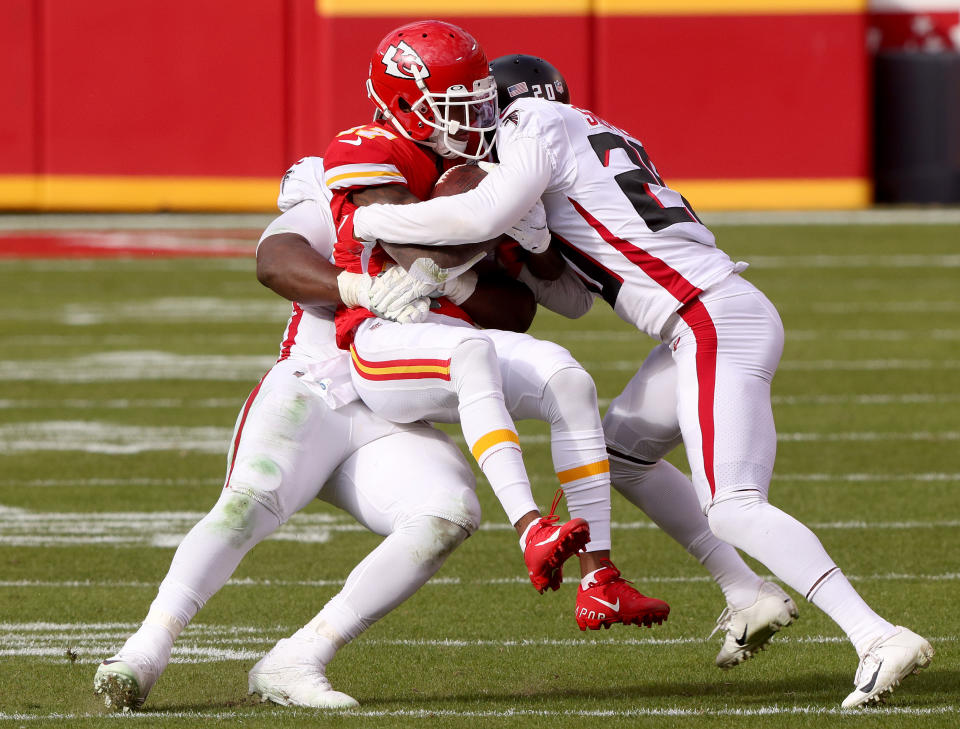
268,273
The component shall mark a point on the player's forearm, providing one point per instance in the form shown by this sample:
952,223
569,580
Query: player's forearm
566,295
502,198
287,265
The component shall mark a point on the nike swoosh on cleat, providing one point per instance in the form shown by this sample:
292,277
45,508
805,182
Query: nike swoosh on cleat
612,605
742,640
108,661
552,538
868,687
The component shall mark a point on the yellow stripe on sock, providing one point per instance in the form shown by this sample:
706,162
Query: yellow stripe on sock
591,469
488,441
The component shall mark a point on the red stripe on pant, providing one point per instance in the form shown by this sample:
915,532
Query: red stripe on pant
695,314
243,419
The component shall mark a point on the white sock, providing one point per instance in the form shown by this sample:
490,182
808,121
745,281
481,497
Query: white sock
588,578
580,460
579,451
836,597
794,554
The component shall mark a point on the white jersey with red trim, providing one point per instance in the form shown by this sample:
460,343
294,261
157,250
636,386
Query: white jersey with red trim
305,202
621,227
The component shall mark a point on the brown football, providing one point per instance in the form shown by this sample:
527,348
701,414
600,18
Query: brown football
458,179
455,180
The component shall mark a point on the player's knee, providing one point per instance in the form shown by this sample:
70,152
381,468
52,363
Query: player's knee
571,394
436,538
259,477
457,505
473,363
734,515
240,519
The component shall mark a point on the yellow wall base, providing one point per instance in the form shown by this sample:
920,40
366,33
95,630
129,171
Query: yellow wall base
56,193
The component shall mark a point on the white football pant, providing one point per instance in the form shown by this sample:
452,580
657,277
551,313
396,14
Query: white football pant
448,371
724,348
408,483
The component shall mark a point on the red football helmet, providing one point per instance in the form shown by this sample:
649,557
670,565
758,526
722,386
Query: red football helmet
431,81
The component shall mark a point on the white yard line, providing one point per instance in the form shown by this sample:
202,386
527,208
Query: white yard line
120,403
435,582
22,528
506,713
915,398
865,261
129,366
114,438
143,365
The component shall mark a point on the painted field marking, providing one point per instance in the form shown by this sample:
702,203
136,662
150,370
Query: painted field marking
92,436
511,712
23,528
145,365
914,398
436,581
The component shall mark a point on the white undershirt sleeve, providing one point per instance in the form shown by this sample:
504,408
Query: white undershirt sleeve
503,197
567,295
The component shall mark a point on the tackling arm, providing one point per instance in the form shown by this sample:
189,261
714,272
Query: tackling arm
407,253
501,199
287,265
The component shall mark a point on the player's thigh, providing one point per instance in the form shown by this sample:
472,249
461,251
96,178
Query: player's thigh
403,371
526,366
416,472
287,441
724,393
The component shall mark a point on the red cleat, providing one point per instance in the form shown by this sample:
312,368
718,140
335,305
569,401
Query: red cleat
549,545
611,599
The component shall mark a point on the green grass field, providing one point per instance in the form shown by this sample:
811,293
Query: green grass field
121,380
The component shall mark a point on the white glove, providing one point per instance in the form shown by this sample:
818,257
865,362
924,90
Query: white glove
393,294
531,230
354,289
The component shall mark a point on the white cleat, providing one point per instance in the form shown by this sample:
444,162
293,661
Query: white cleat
885,664
749,630
287,677
124,681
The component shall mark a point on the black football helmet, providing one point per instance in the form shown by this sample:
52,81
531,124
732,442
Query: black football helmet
520,75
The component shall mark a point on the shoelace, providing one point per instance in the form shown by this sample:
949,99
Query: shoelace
723,622
553,517
868,664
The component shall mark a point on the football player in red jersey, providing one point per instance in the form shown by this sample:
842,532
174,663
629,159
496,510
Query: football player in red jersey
436,100
640,245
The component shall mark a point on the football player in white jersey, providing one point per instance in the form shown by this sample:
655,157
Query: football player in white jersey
642,247
303,434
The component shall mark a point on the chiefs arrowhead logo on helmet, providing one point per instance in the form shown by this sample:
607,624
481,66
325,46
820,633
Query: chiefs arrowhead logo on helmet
401,59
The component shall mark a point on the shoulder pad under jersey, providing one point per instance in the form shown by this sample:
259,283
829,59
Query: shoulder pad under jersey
303,181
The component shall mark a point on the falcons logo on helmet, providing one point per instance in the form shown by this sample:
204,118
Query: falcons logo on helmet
401,59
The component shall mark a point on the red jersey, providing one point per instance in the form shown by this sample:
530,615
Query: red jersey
367,156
